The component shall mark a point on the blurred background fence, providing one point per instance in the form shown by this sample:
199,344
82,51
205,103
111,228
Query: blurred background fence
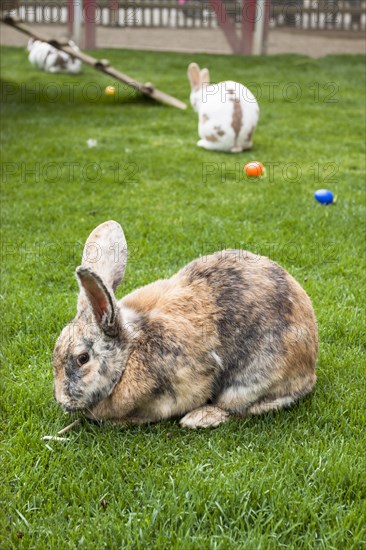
322,15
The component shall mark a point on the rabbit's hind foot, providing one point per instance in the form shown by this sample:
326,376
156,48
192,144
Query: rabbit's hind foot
241,148
273,402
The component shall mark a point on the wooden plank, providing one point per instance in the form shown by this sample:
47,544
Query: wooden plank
101,65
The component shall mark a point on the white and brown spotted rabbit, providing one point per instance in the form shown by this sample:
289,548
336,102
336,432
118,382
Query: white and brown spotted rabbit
48,58
227,112
230,334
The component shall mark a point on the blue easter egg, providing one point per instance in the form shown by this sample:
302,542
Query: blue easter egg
324,196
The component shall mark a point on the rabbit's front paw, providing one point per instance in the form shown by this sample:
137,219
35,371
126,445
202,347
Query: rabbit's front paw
208,416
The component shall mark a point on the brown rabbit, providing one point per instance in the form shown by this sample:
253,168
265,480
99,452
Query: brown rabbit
230,334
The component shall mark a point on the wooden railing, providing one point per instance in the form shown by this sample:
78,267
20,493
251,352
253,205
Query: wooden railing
346,15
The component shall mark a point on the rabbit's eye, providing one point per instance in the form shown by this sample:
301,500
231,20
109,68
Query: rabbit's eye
82,359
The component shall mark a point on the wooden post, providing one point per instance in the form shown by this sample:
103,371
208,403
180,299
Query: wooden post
261,27
77,20
113,12
70,17
267,16
227,26
248,17
90,14
254,26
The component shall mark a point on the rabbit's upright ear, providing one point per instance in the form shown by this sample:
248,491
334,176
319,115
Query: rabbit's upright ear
105,253
94,294
194,76
204,76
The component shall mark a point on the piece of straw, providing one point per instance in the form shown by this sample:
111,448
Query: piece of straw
53,438
69,427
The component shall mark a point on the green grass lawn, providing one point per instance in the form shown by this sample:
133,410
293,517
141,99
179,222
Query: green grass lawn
294,479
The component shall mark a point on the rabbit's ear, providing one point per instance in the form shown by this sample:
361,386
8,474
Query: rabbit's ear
204,76
94,294
105,253
194,76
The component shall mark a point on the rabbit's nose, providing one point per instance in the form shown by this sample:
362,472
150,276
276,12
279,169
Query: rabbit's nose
58,393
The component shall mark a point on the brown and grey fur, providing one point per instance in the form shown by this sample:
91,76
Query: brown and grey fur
231,334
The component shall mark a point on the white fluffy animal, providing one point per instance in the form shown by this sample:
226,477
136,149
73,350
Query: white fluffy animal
50,59
228,112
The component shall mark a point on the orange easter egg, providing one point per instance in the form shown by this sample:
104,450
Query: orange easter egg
254,168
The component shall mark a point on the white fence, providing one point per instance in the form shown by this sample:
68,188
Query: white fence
347,15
